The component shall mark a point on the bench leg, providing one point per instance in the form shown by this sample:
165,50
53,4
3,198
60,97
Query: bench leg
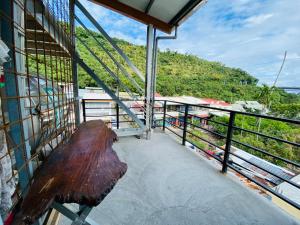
77,218
83,214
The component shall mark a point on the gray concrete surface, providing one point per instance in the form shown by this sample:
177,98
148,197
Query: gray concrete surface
168,185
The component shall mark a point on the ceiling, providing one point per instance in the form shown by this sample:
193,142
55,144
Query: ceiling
164,15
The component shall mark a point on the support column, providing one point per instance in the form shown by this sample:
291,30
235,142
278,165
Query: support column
155,60
149,80
74,64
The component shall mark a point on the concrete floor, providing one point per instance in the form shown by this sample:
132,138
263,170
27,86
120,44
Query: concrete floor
167,184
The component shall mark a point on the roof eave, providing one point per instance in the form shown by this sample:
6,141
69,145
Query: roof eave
135,14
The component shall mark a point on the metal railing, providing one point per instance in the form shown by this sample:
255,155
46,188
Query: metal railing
113,111
184,130
185,122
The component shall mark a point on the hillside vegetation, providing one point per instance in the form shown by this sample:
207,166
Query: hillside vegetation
179,74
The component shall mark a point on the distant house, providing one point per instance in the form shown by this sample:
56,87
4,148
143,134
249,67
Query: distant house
177,109
216,103
248,106
174,102
97,103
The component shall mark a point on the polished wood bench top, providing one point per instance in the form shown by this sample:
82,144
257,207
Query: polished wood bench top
82,171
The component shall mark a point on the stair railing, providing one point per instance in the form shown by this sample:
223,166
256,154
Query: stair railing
110,40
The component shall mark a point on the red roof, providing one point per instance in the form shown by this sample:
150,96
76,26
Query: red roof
212,101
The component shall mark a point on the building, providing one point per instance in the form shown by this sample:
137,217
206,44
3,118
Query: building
217,103
248,106
257,172
291,192
98,104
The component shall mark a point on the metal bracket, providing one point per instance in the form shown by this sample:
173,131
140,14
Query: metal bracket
78,218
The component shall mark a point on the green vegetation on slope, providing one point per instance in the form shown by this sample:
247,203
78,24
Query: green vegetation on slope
179,74
281,130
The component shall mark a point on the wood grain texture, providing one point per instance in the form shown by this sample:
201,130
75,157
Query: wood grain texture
82,171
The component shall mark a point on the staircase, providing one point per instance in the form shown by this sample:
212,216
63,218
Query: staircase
41,27
135,78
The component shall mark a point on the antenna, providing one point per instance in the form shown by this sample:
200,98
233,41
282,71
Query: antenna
282,64
277,77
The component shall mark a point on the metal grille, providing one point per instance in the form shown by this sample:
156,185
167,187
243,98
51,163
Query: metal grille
37,100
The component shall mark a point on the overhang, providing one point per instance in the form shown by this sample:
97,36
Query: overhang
162,14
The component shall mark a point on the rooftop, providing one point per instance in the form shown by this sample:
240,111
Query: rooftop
289,190
182,99
168,184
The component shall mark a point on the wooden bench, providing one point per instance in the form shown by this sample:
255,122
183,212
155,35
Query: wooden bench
83,171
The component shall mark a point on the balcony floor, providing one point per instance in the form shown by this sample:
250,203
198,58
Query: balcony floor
167,184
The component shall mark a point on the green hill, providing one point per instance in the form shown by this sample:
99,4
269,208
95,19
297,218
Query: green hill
179,74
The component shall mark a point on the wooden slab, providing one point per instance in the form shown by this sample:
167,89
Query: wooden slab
83,171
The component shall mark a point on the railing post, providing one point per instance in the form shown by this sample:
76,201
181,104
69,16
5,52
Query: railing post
164,116
118,115
186,111
228,142
83,110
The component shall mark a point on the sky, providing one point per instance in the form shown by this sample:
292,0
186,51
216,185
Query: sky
248,34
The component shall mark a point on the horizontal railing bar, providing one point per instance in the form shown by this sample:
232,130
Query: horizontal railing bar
248,170
99,108
174,125
266,188
112,115
174,117
267,136
173,131
224,124
202,128
110,108
267,153
123,121
103,99
238,112
98,99
203,139
274,174
217,122
215,157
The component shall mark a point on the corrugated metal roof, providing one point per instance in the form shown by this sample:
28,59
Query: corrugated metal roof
290,191
282,172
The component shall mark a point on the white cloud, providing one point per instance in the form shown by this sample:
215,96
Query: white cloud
96,11
221,31
114,24
259,19
292,56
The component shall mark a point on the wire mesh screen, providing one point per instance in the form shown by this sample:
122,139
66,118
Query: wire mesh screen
37,99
